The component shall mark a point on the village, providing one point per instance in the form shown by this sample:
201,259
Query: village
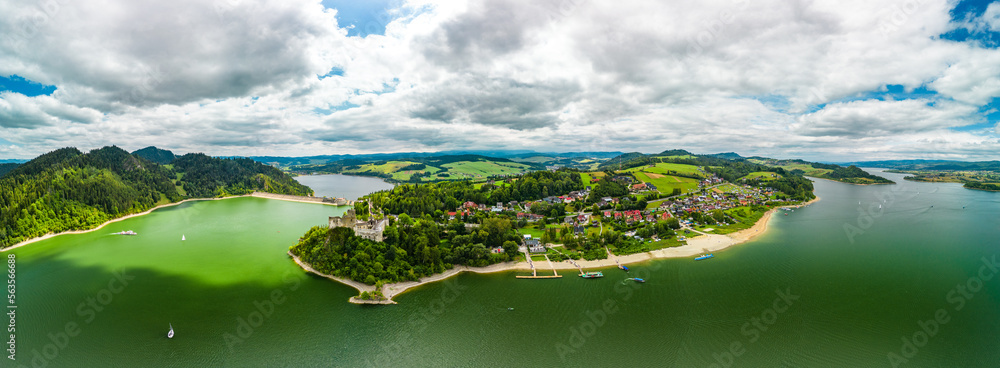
714,202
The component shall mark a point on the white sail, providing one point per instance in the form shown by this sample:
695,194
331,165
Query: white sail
182,238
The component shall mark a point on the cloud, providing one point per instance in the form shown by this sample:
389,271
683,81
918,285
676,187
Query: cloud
767,77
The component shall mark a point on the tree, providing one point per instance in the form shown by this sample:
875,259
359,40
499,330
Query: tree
510,248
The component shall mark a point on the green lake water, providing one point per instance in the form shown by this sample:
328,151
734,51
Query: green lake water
235,299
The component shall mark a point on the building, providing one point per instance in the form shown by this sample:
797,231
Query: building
534,246
371,229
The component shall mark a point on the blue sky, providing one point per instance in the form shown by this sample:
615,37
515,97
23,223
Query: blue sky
821,80
17,84
366,17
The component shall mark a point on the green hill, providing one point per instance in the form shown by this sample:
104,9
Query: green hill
69,190
160,156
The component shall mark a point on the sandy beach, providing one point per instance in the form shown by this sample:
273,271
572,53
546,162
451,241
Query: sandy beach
704,243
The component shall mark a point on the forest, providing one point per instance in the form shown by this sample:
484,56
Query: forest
67,189
420,199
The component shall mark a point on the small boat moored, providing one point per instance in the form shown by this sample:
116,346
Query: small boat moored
704,256
592,275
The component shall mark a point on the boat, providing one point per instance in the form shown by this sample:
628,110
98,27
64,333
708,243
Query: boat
126,232
510,309
182,238
170,334
624,267
592,275
636,279
704,256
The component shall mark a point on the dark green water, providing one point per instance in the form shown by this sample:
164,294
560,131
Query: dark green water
855,300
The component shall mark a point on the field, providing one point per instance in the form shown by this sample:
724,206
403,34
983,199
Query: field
808,169
762,175
480,169
669,168
449,171
666,184
586,176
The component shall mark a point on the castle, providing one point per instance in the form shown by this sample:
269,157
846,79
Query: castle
371,229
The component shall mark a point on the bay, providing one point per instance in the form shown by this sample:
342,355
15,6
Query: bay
343,186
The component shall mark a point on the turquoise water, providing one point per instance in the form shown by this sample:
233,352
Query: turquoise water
236,300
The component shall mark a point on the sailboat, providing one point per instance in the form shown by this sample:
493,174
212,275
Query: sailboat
170,334
182,238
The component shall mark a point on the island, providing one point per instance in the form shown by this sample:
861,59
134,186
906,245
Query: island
630,209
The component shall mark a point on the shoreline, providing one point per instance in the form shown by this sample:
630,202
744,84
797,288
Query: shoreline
844,182
700,244
146,212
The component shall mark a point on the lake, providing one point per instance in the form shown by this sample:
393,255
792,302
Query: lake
822,288
343,186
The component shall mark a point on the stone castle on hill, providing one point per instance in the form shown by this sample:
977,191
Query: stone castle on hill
371,229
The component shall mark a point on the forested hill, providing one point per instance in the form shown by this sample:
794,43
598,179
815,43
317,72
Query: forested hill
7,167
69,190
206,176
160,156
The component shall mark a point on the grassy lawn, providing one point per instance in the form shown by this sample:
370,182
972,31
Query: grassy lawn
665,243
531,230
537,258
745,222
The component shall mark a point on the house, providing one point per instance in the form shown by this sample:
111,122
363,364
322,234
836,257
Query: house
579,230
534,246
638,187
451,215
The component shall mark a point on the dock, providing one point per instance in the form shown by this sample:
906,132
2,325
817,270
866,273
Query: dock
534,271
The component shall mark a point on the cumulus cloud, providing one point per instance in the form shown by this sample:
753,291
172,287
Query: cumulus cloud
780,78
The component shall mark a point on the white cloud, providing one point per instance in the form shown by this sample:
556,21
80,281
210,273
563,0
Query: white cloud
992,17
238,77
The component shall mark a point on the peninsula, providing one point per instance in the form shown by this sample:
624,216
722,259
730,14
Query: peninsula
546,221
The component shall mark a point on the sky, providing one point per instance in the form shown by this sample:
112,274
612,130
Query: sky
819,80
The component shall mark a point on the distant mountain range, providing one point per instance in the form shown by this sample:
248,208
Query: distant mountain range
285,162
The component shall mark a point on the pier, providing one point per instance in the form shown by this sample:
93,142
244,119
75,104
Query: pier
534,271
